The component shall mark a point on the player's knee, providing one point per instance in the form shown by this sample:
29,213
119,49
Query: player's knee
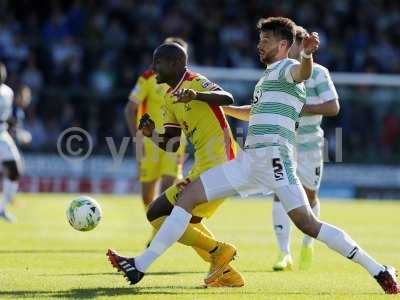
150,214
308,228
191,196
312,196
158,208
166,182
305,221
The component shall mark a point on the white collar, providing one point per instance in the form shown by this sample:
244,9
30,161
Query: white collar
273,65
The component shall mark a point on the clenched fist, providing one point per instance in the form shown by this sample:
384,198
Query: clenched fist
185,95
311,43
146,125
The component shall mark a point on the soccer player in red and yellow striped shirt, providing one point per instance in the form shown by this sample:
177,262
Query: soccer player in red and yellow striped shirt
155,166
192,106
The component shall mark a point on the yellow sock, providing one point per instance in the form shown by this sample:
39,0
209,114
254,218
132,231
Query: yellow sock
204,229
202,253
195,235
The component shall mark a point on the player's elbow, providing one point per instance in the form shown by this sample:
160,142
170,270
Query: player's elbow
227,99
337,107
306,74
334,108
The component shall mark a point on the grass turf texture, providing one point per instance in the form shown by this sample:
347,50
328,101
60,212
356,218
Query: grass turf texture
42,257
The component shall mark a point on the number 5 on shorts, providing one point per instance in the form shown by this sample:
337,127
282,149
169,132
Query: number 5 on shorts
278,169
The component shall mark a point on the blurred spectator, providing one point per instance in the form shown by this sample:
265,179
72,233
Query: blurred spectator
81,58
56,28
102,79
32,77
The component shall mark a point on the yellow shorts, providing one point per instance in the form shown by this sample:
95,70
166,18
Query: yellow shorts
156,163
205,210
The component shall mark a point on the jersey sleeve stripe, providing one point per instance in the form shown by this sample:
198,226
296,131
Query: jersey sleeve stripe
180,82
172,125
230,154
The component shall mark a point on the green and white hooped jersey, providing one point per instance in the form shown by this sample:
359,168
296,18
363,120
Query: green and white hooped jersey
319,89
277,103
6,104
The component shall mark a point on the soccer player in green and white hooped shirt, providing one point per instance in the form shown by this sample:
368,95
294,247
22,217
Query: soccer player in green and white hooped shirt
267,162
321,100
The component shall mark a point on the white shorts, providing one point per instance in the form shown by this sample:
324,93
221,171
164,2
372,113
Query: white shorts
254,171
309,169
8,149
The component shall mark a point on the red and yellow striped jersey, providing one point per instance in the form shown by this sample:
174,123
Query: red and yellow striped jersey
203,124
150,97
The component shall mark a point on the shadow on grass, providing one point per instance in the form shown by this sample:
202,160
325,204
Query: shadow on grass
116,273
91,293
50,251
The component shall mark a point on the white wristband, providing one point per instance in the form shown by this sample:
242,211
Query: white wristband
303,54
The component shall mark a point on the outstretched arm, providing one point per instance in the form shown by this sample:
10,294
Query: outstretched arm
327,109
238,112
168,141
211,97
303,71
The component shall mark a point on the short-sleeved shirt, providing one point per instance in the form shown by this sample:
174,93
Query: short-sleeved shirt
276,106
203,124
6,105
149,96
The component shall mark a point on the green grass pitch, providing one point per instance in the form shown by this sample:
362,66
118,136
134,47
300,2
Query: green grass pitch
42,257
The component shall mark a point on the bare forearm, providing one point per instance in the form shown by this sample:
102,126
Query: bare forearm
302,71
238,112
130,118
306,67
328,109
215,98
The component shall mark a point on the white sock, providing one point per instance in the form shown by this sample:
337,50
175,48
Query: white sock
341,242
282,226
308,240
171,231
10,189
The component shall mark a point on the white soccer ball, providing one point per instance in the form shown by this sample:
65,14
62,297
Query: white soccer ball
84,213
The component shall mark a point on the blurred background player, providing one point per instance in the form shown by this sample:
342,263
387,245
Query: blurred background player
192,106
23,97
9,155
321,100
157,169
